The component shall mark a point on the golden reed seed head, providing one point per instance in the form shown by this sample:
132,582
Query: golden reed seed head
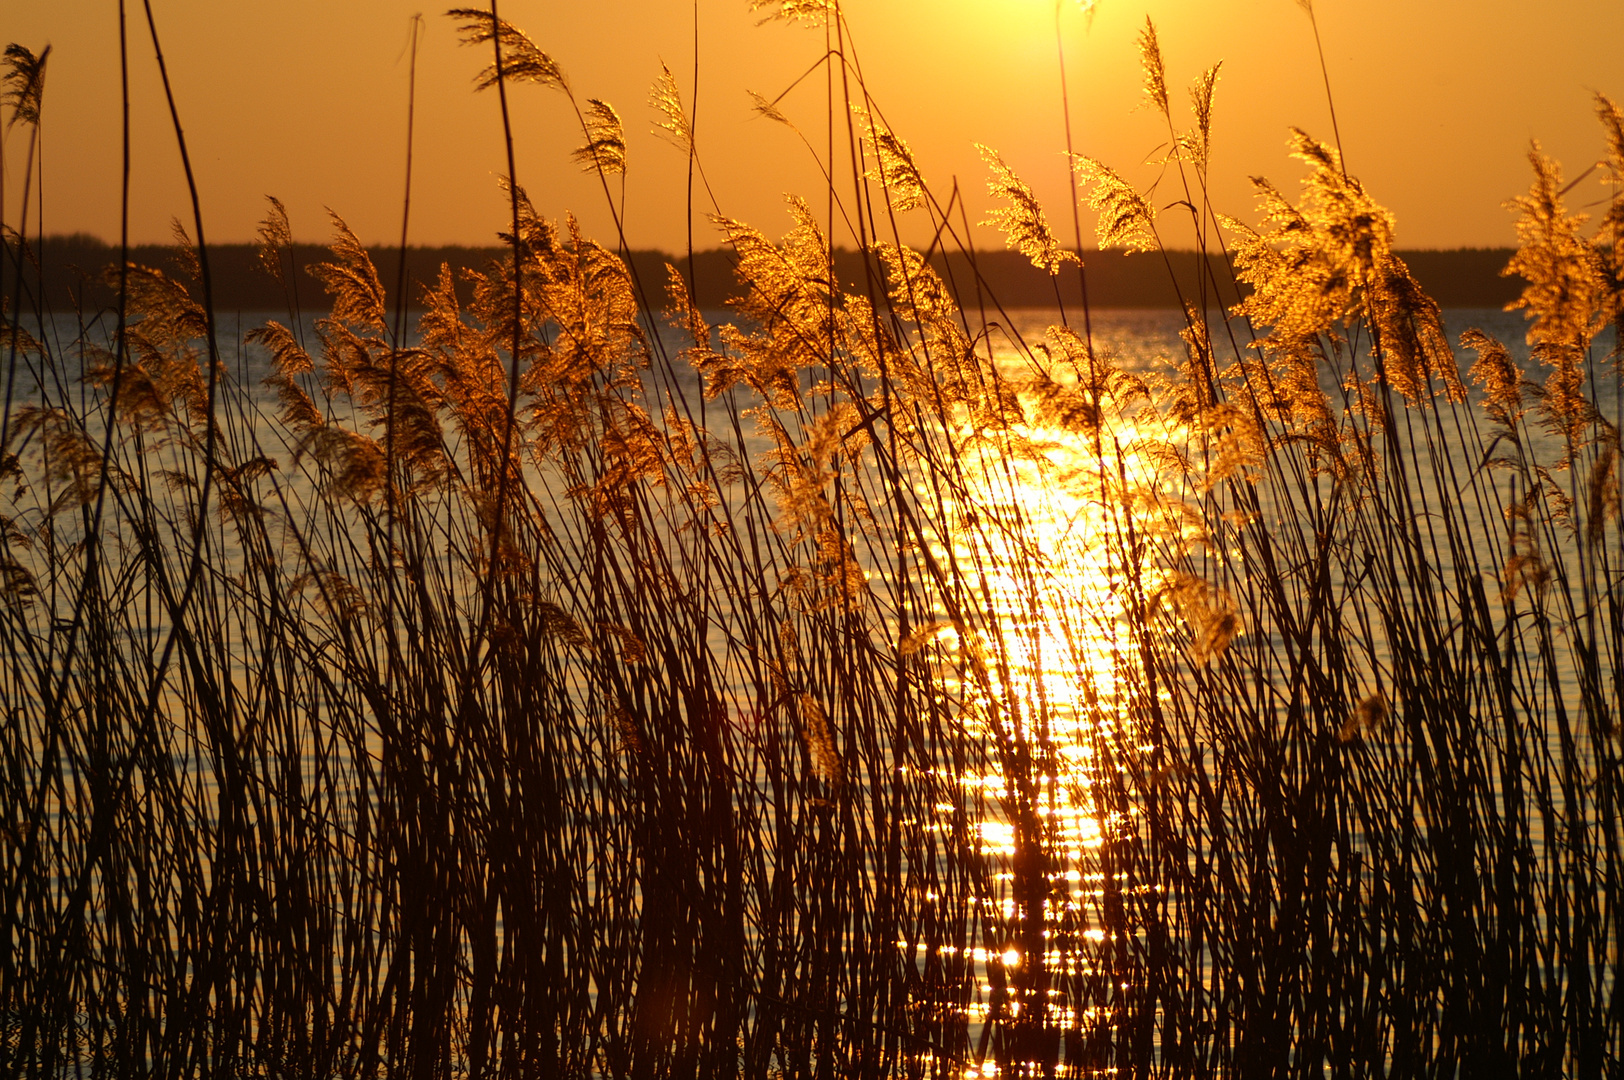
521,60
605,148
1022,221
1155,72
667,101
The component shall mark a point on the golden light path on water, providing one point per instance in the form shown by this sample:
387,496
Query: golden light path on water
1043,682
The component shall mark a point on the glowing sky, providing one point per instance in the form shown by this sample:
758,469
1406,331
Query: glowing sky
306,99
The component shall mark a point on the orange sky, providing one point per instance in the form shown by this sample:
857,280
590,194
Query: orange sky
1437,101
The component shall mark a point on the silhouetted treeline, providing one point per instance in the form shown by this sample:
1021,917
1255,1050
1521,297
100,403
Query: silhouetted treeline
73,269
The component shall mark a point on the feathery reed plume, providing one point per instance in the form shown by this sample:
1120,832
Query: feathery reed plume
1612,121
768,109
1022,222
1367,717
1126,218
1497,373
166,322
1330,260
1565,294
1198,143
352,281
24,83
1566,298
522,61
1609,240
1410,329
275,236
1212,619
19,338
789,295
700,352
1525,562
288,361
1200,368
813,12
820,743
666,98
893,167
184,254
605,148
66,453
1155,72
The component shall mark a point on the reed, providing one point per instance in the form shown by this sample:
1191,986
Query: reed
573,687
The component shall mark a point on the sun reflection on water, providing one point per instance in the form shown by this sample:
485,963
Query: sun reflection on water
1041,672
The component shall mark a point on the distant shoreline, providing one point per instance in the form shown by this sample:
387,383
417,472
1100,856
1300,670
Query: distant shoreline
71,268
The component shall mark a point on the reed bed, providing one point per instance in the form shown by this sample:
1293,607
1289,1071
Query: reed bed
571,687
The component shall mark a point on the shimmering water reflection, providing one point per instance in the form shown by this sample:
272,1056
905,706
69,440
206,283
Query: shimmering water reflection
1043,672
1046,674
